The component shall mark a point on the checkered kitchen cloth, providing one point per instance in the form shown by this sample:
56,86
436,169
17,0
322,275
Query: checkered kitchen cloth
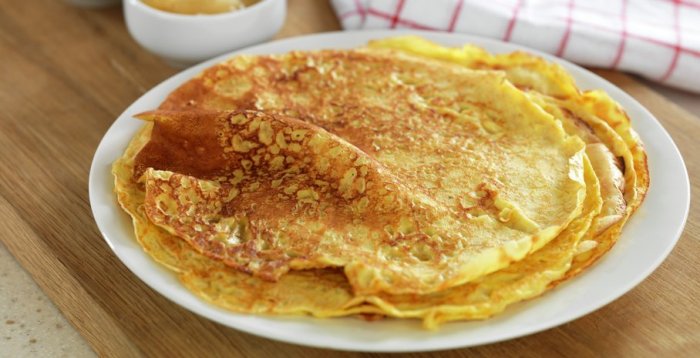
658,39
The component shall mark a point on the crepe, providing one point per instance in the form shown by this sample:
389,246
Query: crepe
456,138
402,190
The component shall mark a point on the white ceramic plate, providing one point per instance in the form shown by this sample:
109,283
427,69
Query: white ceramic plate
646,241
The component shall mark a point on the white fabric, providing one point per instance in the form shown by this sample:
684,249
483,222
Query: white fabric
658,39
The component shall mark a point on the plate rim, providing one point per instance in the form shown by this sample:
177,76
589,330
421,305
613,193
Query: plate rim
576,71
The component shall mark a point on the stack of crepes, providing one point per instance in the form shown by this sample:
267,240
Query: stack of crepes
401,179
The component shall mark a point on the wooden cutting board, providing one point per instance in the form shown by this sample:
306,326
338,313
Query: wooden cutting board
67,73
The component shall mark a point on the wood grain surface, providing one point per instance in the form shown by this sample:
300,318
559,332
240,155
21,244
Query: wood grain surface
67,73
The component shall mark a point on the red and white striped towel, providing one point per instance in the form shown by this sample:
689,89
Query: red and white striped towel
658,39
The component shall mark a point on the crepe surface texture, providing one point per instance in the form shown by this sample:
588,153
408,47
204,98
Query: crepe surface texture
403,179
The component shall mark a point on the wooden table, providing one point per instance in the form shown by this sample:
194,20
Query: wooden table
67,73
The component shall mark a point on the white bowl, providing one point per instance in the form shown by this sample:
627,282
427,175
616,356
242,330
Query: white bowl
188,39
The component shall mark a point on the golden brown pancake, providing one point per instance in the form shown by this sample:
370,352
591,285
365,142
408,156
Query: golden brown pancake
461,145
210,201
